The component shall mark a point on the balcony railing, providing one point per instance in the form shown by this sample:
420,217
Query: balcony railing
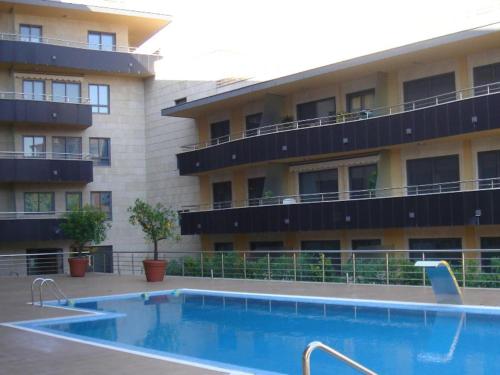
43,98
43,155
350,117
22,215
70,43
391,192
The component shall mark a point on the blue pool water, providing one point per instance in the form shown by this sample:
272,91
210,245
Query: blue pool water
268,335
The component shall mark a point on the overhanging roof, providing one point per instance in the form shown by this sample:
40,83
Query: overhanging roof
462,42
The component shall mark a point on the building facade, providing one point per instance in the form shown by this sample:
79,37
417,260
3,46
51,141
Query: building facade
394,150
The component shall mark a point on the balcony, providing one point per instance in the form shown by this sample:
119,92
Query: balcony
45,167
58,53
448,204
24,226
75,113
461,112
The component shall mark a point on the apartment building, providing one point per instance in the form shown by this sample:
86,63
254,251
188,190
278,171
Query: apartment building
73,125
395,150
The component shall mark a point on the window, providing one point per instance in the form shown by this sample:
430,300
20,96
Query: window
255,190
323,185
325,245
219,132
39,202
361,101
222,194
487,75
66,92
99,98
102,41
433,175
367,244
252,123
66,147
33,90
223,246
102,201
422,92
100,151
265,246
453,257
489,169
30,33
313,110
490,260
73,200
363,181
34,146
180,101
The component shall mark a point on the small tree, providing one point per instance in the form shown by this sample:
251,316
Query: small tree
157,222
85,226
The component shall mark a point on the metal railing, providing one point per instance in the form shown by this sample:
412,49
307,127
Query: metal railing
472,267
351,116
376,193
43,155
6,215
40,282
10,95
70,43
306,358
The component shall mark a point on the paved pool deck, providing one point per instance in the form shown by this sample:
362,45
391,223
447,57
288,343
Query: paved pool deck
29,353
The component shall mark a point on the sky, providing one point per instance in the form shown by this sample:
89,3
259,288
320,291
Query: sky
263,39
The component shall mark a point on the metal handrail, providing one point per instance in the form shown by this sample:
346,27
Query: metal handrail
380,193
70,43
12,95
432,101
43,155
31,215
306,358
56,291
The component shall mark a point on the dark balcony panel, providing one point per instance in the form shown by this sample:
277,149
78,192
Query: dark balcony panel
448,119
45,113
434,210
46,170
16,52
30,230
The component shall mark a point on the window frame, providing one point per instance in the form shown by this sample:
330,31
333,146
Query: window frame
361,94
34,154
330,195
429,188
66,97
68,193
99,159
99,106
53,203
33,95
30,37
100,192
180,101
100,34
226,203
66,153
488,182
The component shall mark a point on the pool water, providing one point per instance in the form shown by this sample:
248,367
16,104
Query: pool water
268,334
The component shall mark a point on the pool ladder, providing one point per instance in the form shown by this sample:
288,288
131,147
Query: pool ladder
306,358
53,287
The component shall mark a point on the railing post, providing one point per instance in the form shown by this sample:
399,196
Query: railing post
245,265
387,268
182,266
323,265
268,266
133,266
222,263
294,266
201,262
423,270
118,261
463,269
353,268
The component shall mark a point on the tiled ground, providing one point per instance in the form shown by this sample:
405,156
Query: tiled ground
30,353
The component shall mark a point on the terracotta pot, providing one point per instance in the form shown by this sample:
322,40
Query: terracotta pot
155,269
78,266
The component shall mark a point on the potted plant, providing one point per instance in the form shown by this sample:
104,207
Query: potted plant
158,223
83,226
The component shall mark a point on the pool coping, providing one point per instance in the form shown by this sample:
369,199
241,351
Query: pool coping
222,367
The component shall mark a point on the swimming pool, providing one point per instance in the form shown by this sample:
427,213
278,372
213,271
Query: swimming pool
257,333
